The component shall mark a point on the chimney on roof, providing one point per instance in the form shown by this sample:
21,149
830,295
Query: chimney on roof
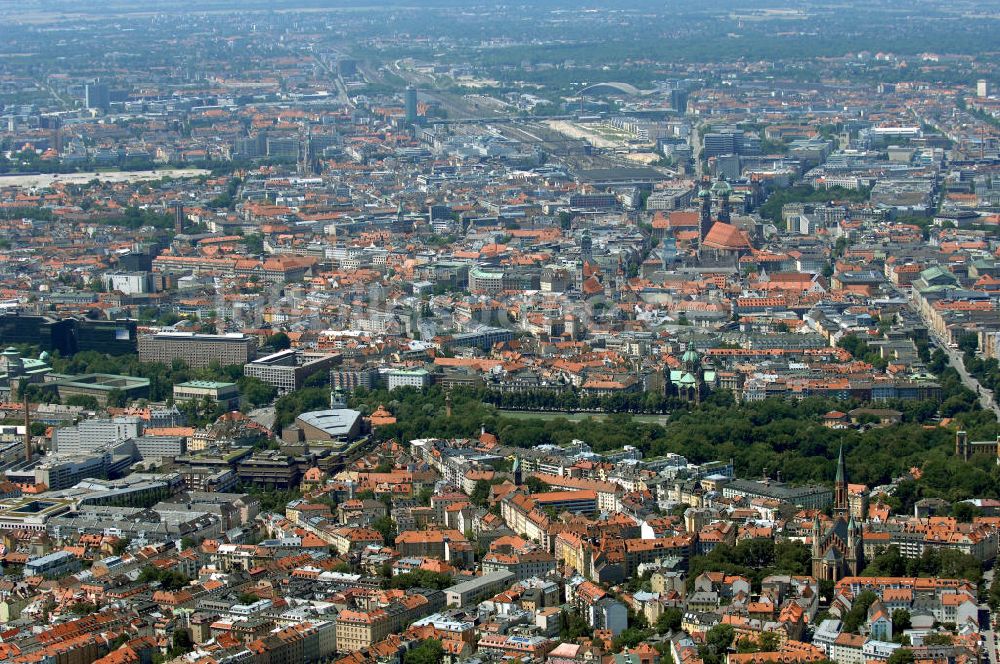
27,430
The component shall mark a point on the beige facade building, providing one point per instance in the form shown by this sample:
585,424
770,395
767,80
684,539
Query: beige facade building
197,350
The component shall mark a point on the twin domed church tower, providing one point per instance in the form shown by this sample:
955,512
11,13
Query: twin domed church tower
721,190
695,377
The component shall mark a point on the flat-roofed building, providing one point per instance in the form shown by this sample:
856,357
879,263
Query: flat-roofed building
226,395
31,513
69,335
209,479
128,283
95,433
112,337
99,386
137,490
484,338
55,564
197,350
418,378
59,471
287,370
351,378
43,331
157,447
271,470
809,496
476,590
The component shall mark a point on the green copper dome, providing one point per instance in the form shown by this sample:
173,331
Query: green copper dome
690,356
722,188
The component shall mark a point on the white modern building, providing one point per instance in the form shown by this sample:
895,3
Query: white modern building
89,435
418,378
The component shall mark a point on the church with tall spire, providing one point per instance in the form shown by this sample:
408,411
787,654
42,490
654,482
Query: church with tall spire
839,549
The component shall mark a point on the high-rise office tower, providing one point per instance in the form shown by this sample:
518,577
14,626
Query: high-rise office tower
97,96
411,105
679,100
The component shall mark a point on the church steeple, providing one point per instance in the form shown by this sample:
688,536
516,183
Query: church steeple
816,535
840,503
586,246
722,190
705,218
690,359
855,558
841,551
